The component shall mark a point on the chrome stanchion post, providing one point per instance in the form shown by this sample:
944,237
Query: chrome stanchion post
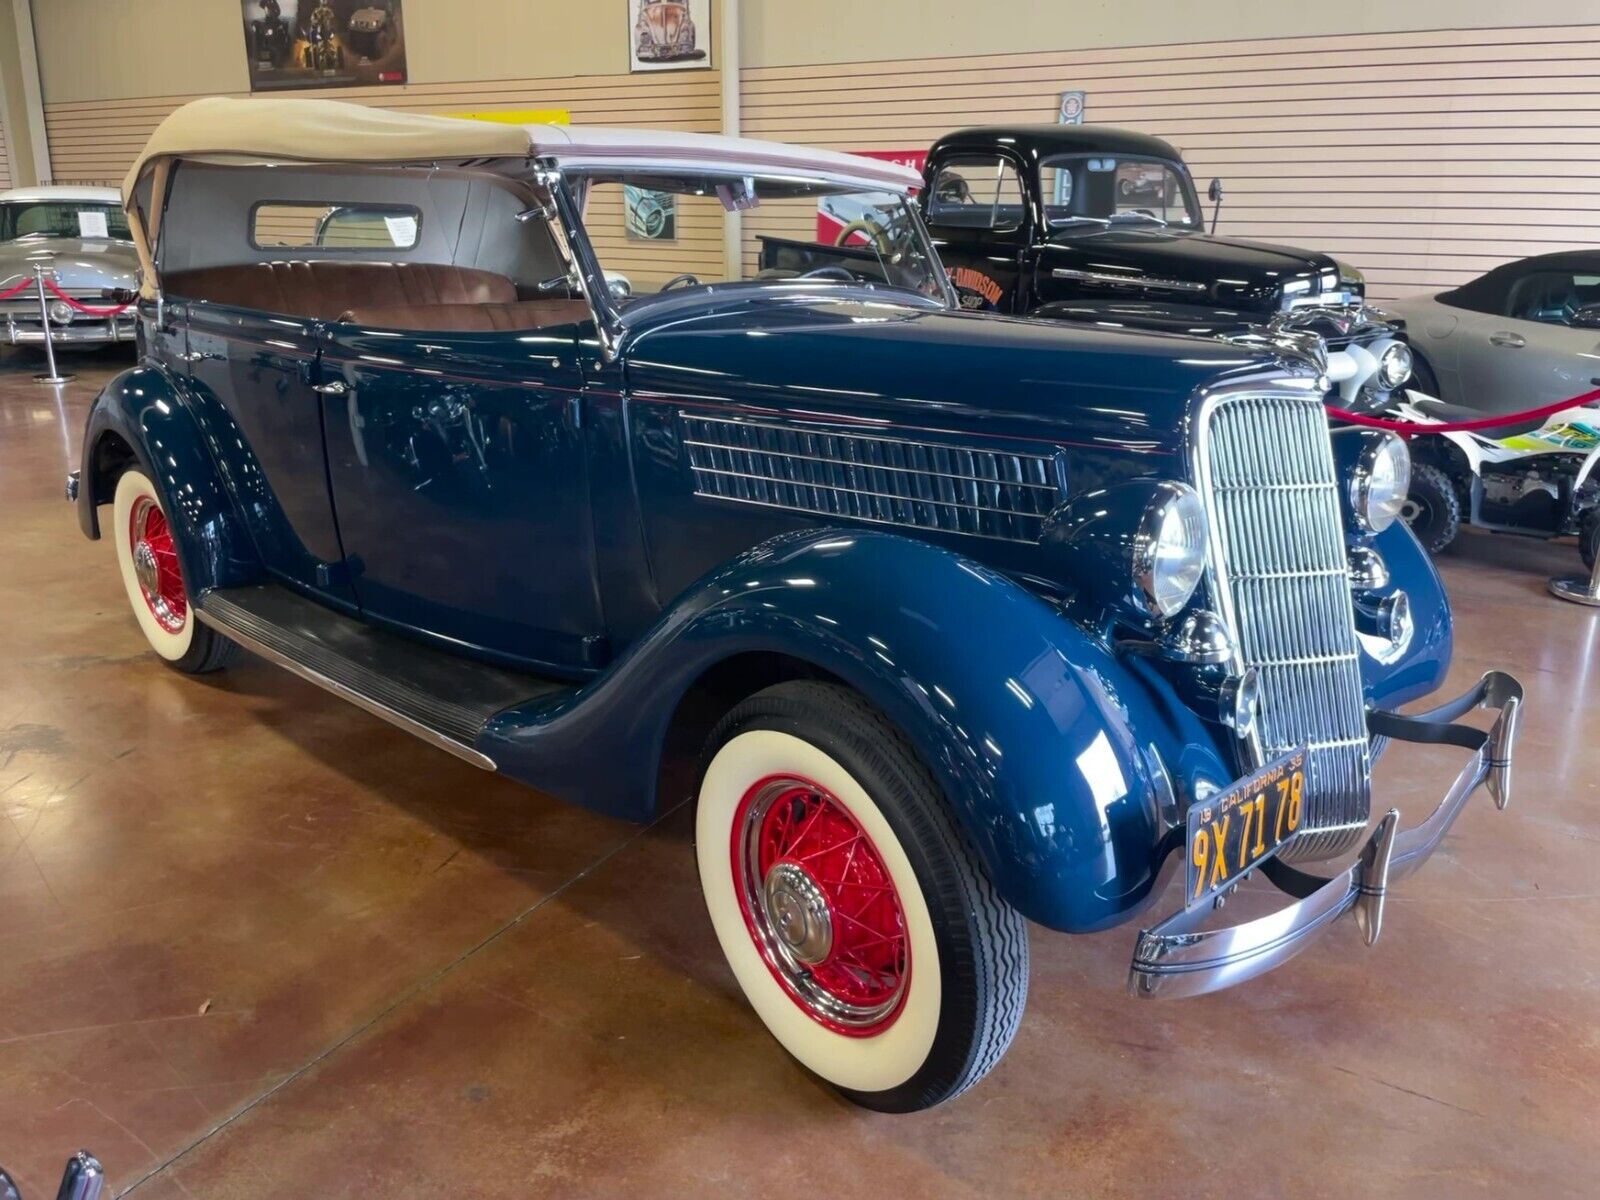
84,1179
1578,589
49,341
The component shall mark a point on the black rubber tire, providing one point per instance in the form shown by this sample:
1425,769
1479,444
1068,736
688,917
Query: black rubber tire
1422,377
982,941
1433,509
1589,537
209,652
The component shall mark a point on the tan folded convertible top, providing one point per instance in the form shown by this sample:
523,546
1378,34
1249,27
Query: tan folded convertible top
224,130
336,131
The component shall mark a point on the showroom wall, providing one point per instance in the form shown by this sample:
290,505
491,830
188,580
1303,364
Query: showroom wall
1423,157
1433,145
111,72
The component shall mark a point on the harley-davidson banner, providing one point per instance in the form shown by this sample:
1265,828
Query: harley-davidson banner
323,43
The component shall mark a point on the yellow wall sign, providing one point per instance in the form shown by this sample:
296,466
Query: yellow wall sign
524,116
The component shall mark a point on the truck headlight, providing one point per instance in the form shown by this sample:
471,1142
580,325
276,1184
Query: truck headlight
1350,277
1380,482
1169,548
1394,365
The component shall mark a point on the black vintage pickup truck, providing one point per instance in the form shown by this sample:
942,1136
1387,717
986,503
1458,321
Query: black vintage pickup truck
1101,225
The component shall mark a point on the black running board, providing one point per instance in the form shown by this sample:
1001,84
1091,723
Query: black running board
443,699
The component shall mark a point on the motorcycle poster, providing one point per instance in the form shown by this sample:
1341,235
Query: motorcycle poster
323,43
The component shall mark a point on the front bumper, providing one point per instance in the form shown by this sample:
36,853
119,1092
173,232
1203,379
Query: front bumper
93,331
1176,958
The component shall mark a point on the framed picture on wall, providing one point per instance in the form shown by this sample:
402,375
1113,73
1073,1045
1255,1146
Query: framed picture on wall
323,43
669,35
649,216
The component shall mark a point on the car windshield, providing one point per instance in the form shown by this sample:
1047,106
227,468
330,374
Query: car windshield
62,218
1089,191
654,233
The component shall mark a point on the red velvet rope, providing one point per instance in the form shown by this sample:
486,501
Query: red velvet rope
84,308
1416,427
22,285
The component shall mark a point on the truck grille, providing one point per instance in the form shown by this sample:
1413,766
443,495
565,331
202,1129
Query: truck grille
869,477
1264,465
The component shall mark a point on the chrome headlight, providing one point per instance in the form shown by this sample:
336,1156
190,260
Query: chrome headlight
1380,482
60,312
1394,365
1169,549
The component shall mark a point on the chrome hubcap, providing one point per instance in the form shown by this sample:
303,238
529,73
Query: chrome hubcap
145,568
798,910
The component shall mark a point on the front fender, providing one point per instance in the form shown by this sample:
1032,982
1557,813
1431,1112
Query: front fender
147,411
1064,767
1426,661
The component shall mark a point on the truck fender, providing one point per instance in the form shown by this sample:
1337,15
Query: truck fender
1061,763
144,410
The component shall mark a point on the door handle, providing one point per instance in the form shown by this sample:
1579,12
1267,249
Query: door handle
334,387
1512,341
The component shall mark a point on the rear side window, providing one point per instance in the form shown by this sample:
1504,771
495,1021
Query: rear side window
278,225
977,192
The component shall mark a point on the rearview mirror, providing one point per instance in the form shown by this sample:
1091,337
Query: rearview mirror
1214,192
1587,317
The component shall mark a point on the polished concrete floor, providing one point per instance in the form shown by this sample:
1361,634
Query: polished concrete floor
255,943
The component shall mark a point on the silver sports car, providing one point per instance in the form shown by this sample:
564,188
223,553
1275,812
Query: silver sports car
80,236
1524,335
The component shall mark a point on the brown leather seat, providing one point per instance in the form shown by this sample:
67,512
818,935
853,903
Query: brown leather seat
470,318
323,290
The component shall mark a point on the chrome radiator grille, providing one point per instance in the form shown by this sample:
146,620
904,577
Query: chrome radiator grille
1278,571
871,477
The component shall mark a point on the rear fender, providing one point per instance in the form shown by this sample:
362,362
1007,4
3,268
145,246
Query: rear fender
146,411
1064,766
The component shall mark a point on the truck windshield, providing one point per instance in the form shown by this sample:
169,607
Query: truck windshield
654,233
1087,191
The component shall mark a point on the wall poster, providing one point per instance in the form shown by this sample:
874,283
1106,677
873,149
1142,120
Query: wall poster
649,216
323,43
669,35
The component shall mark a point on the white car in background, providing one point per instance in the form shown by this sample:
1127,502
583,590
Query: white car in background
80,236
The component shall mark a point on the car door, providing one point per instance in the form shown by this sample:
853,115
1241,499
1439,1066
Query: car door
1528,354
978,219
458,474
251,378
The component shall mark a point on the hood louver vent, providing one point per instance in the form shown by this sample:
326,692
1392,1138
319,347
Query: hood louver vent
870,477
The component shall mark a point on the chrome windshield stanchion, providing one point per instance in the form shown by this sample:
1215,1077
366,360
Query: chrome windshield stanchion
1177,958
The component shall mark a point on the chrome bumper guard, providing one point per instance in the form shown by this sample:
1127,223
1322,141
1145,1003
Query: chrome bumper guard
1175,958
103,329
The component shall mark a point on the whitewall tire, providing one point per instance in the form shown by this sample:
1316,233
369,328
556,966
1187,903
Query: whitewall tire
147,555
854,916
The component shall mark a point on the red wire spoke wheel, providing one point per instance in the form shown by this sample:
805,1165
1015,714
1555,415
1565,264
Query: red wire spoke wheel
147,553
853,912
155,564
821,905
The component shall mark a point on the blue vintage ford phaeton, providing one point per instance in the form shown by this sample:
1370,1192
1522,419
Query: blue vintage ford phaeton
995,620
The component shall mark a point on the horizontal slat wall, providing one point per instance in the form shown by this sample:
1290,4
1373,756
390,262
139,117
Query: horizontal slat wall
1424,158
5,159
96,141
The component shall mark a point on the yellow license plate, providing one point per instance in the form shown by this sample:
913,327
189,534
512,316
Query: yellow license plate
1235,830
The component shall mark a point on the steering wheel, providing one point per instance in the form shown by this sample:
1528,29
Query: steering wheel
828,272
686,280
